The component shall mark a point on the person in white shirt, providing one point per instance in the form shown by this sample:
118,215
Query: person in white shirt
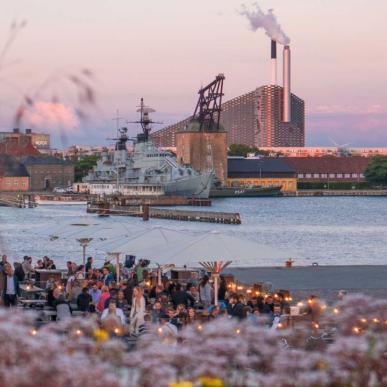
112,310
138,310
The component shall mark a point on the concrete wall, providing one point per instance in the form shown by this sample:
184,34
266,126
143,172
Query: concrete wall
203,151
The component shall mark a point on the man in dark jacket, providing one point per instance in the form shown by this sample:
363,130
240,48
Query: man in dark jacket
11,286
235,308
180,296
84,300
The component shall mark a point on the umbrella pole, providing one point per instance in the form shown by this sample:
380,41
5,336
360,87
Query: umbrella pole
216,286
159,276
118,267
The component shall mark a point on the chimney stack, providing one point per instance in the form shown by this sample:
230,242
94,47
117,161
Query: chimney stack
286,79
273,62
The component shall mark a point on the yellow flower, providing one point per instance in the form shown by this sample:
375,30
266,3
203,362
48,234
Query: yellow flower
211,382
101,335
183,383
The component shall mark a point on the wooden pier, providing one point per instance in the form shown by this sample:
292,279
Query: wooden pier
334,192
196,216
17,200
145,211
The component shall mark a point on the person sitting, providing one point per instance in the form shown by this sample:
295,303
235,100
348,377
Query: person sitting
95,294
268,305
84,300
63,310
121,300
112,310
235,308
107,276
39,265
104,296
27,266
276,316
158,314
180,296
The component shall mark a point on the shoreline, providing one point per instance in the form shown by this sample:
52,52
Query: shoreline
322,281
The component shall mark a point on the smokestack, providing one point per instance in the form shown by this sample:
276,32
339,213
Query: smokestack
273,62
286,79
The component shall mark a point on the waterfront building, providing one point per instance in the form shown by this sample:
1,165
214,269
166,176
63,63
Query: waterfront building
13,174
47,172
203,151
314,151
329,169
253,119
12,148
39,141
262,172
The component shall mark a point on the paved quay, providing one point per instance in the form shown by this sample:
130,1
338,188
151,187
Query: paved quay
323,281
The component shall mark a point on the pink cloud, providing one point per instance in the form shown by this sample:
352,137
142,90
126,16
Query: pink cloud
52,116
345,109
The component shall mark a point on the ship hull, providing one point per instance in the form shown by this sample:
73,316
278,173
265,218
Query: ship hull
194,186
227,192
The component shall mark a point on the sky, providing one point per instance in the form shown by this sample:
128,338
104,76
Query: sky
81,60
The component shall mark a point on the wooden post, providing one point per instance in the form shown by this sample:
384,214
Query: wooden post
145,212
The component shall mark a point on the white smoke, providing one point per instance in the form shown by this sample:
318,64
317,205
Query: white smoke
267,21
52,116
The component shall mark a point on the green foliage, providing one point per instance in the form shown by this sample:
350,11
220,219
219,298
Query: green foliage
243,150
338,185
83,166
376,172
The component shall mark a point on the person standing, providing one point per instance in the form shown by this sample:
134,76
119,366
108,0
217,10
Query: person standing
89,264
11,290
205,291
138,310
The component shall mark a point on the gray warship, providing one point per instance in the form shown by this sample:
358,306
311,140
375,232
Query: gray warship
147,171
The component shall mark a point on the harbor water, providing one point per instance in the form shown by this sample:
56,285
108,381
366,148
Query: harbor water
322,230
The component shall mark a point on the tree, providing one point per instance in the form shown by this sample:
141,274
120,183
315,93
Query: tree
83,166
243,150
376,172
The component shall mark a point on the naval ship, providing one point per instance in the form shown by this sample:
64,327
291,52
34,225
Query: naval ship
147,171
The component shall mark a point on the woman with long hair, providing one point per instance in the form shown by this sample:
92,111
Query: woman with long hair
138,310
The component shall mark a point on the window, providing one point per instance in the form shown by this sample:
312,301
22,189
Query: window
354,174
340,175
308,175
300,175
316,175
324,175
332,175
347,175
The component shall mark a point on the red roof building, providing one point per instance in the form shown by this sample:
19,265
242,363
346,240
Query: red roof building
316,169
13,148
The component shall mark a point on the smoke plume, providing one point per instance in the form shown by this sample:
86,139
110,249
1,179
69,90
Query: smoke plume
52,116
258,19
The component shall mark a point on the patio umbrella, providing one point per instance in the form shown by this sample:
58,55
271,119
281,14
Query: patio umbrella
150,241
216,246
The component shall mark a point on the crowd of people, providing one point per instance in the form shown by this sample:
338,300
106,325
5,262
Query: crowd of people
140,298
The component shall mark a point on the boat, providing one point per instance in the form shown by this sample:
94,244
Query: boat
245,191
147,171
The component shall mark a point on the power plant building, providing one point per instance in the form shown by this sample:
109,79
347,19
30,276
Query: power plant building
269,116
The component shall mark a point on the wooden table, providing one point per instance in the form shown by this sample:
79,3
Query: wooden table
33,303
30,291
